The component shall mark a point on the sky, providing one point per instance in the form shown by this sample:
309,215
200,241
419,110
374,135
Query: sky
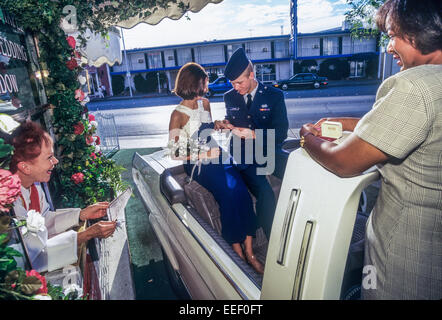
232,19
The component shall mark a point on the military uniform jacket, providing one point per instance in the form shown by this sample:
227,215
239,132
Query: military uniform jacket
268,111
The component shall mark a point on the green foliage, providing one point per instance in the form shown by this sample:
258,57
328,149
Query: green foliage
6,151
150,83
297,68
7,254
42,18
334,69
361,17
117,84
141,84
309,65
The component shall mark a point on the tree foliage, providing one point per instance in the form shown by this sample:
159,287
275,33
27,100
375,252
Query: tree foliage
361,17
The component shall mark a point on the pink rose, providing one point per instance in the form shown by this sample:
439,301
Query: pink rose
78,128
9,189
93,156
91,117
71,64
97,140
77,177
43,288
71,42
79,95
89,140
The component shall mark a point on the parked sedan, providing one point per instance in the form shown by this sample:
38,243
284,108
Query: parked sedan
302,80
220,85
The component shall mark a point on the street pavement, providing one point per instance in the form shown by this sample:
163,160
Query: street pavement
142,122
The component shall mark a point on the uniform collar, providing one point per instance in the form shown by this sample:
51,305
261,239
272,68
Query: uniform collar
253,93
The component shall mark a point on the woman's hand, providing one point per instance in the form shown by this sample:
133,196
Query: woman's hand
211,154
95,211
222,124
309,128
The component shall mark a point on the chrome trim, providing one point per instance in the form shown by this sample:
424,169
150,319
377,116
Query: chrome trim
220,268
302,261
287,225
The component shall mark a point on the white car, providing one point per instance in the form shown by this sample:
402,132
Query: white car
315,250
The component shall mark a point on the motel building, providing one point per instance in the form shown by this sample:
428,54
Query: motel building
333,53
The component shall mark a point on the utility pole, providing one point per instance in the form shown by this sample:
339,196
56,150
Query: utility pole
126,62
158,79
294,32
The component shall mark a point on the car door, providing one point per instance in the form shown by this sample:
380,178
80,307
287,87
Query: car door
308,80
310,237
296,80
221,85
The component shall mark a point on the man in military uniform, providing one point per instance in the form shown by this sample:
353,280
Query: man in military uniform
251,105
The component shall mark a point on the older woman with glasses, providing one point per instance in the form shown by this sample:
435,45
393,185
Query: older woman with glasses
52,244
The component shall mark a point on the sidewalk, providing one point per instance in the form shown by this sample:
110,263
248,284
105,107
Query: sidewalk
331,83
134,96
357,81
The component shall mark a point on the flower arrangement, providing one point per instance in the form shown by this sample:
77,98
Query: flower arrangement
188,147
9,189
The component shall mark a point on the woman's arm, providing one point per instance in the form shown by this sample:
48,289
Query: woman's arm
348,123
349,158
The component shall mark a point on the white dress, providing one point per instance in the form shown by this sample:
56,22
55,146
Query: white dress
188,135
52,247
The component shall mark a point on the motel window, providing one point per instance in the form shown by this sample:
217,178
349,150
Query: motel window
265,72
281,49
155,60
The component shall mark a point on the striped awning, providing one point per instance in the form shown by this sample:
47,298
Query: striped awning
99,50
173,11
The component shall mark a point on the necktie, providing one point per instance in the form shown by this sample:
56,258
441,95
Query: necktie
249,101
35,201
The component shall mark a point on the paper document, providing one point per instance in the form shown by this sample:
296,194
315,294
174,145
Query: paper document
115,211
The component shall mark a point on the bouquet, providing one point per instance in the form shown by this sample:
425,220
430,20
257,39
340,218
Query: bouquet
188,147
9,189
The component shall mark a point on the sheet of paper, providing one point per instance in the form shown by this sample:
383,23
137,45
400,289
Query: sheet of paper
116,207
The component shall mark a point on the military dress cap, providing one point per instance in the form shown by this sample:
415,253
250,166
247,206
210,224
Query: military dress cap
238,62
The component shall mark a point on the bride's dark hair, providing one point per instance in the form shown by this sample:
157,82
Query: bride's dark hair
191,81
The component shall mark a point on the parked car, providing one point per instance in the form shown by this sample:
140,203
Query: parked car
302,80
220,85
315,250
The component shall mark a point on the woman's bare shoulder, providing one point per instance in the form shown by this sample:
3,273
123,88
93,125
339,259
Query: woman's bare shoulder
206,104
177,119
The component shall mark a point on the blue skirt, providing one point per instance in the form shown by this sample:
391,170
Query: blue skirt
224,181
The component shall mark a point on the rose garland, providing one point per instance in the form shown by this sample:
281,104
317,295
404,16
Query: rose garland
84,175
